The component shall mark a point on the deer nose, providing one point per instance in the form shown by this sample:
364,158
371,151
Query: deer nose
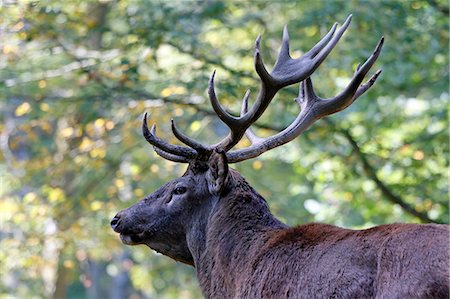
115,222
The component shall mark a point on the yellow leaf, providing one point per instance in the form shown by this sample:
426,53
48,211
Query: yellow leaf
29,197
138,192
135,169
311,30
154,168
418,155
8,49
56,194
23,109
99,122
120,183
96,205
195,126
97,153
85,144
44,107
8,208
109,125
67,132
257,165
68,264
168,91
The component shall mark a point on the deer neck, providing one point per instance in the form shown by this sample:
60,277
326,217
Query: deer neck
220,241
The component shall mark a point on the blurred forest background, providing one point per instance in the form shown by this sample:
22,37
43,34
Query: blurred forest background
76,77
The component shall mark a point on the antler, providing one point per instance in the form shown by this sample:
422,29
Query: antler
286,71
312,109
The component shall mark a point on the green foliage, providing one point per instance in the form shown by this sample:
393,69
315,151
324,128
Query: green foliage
76,77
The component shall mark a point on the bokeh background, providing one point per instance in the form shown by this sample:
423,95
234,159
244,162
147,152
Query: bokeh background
77,76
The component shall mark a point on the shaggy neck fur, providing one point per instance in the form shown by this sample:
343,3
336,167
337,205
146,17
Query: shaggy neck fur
220,239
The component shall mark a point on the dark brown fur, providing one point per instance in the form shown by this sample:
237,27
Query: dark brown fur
240,250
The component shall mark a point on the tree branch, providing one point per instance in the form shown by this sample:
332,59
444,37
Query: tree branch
207,60
371,174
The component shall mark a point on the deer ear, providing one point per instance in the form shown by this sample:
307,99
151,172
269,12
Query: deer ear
217,173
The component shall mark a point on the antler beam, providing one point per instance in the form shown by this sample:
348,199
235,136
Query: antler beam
286,71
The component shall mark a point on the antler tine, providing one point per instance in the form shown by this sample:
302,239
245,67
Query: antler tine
170,157
161,146
286,71
320,56
235,124
249,132
312,109
364,87
224,116
284,51
260,68
187,140
354,88
323,42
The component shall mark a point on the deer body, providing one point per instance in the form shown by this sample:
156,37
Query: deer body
259,257
212,219
240,250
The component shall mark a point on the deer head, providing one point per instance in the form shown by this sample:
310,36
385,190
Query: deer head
162,219
171,217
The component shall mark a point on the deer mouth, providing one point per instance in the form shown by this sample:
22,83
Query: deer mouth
132,239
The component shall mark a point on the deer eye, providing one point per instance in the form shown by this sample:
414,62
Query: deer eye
179,190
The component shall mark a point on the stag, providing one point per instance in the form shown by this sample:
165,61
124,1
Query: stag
212,219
